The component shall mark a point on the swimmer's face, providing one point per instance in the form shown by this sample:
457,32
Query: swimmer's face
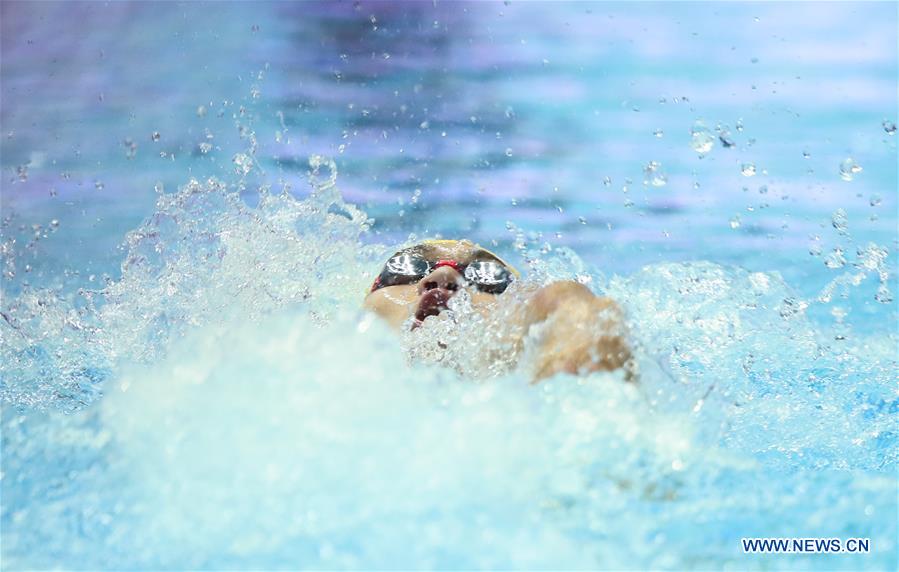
419,281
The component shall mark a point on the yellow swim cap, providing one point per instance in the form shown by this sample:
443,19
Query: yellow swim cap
451,242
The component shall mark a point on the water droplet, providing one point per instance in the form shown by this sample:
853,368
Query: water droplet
748,169
849,168
754,60
739,125
22,172
204,147
130,148
155,136
510,113
243,163
582,220
54,223
884,296
875,200
726,140
814,247
658,133
701,139
607,181
735,222
806,155
652,174
322,174
839,221
835,259
99,185
424,125
889,127
508,151
254,28
763,190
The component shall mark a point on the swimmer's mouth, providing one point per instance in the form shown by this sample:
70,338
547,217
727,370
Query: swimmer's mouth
431,303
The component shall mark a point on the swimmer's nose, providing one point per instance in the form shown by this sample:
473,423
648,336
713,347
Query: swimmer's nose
445,277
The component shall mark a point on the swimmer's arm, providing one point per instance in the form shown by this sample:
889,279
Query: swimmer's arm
579,331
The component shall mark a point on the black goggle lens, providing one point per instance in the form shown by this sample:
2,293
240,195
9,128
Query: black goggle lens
488,275
404,268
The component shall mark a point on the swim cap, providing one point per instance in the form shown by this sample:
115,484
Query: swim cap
451,242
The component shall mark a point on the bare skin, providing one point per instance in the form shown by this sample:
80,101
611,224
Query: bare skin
579,332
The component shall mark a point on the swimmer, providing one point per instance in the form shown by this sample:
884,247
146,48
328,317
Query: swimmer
574,330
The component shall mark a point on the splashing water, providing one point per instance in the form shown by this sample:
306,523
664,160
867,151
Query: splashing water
228,384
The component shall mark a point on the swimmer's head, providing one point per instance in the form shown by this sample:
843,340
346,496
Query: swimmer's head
420,280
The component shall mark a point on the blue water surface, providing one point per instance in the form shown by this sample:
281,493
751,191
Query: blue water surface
195,197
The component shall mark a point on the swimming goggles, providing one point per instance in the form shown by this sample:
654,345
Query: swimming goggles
485,271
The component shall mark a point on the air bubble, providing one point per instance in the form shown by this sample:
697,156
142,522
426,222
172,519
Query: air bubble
875,200
735,222
806,155
889,127
748,169
508,151
155,136
658,133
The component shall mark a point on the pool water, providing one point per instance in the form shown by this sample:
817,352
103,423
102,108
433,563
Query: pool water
196,197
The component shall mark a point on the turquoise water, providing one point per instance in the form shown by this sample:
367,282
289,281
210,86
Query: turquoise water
196,196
